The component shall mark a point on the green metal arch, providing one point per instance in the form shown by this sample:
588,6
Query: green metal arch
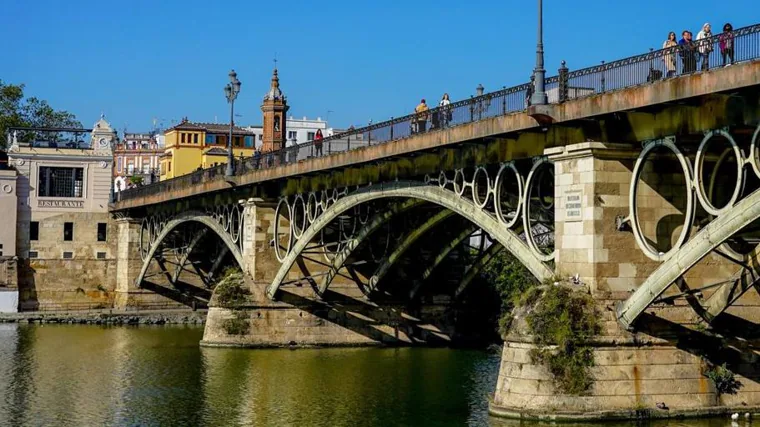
182,218
376,222
705,241
408,241
445,251
415,190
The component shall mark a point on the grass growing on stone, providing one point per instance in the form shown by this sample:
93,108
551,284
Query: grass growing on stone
562,322
230,290
236,326
723,378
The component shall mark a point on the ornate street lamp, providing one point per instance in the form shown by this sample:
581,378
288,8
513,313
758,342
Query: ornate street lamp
481,106
539,94
231,92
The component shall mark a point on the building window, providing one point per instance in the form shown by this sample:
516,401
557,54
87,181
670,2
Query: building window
195,138
33,254
236,141
276,123
182,138
34,230
130,169
119,161
249,141
310,136
261,137
221,140
210,139
101,255
68,231
60,182
102,231
146,168
170,166
292,134
68,255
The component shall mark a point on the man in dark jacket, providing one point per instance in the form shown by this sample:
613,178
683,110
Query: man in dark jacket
688,52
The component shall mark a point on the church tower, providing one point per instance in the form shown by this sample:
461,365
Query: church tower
275,107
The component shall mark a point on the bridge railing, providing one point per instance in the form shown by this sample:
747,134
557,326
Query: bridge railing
621,74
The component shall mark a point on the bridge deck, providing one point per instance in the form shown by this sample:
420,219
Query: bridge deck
642,97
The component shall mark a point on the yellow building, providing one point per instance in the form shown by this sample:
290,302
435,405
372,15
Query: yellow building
190,146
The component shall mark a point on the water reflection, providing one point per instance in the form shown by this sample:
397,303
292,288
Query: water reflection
81,375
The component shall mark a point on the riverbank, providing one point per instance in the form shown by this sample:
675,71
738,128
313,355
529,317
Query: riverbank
109,317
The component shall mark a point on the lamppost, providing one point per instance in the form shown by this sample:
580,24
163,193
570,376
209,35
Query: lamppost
481,106
539,94
231,92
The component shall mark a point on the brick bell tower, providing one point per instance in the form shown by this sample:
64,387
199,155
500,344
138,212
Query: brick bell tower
274,107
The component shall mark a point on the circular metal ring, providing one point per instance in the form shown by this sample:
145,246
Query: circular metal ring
753,157
699,168
500,214
324,202
459,182
277,215
443,180
144,229
154,230
219,214
299,225
475,187
534,172
312,207
226,218
235,223
645,247
335,195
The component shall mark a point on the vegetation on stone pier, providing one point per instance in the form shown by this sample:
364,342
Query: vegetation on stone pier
237,325
562,321
230,291
723,378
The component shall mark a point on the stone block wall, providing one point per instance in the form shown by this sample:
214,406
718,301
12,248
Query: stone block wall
49,281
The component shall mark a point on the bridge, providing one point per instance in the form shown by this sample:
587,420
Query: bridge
641,186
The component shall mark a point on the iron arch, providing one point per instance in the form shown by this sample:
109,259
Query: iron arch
421,191
190,216
705,241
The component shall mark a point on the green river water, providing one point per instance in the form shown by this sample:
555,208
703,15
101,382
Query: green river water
54,375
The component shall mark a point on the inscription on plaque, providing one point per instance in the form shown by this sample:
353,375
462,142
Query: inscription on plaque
573,205
60,203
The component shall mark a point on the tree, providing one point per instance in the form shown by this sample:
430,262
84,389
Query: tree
16,111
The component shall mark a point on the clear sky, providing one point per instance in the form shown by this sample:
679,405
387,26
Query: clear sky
138,60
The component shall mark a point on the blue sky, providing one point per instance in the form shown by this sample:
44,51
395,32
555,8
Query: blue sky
140,60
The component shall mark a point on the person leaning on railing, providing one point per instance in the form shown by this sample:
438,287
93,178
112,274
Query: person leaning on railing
705,42
688,54
421,117
669,58
318,143
726,43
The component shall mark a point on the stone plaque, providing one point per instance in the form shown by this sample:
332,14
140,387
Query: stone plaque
573,205
60,203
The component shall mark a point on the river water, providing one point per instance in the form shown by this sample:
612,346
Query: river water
53,375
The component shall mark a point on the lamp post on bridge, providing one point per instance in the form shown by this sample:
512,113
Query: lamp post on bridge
231,91
539,93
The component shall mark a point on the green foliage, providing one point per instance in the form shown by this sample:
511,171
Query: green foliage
230,291
562,323
236,326
511,280
16,111
723,378
136,180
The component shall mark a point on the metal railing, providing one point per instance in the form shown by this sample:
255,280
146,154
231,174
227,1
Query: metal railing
638,70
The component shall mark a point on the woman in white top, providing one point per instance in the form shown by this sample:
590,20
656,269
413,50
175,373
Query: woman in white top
669,56
445,110
705,43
